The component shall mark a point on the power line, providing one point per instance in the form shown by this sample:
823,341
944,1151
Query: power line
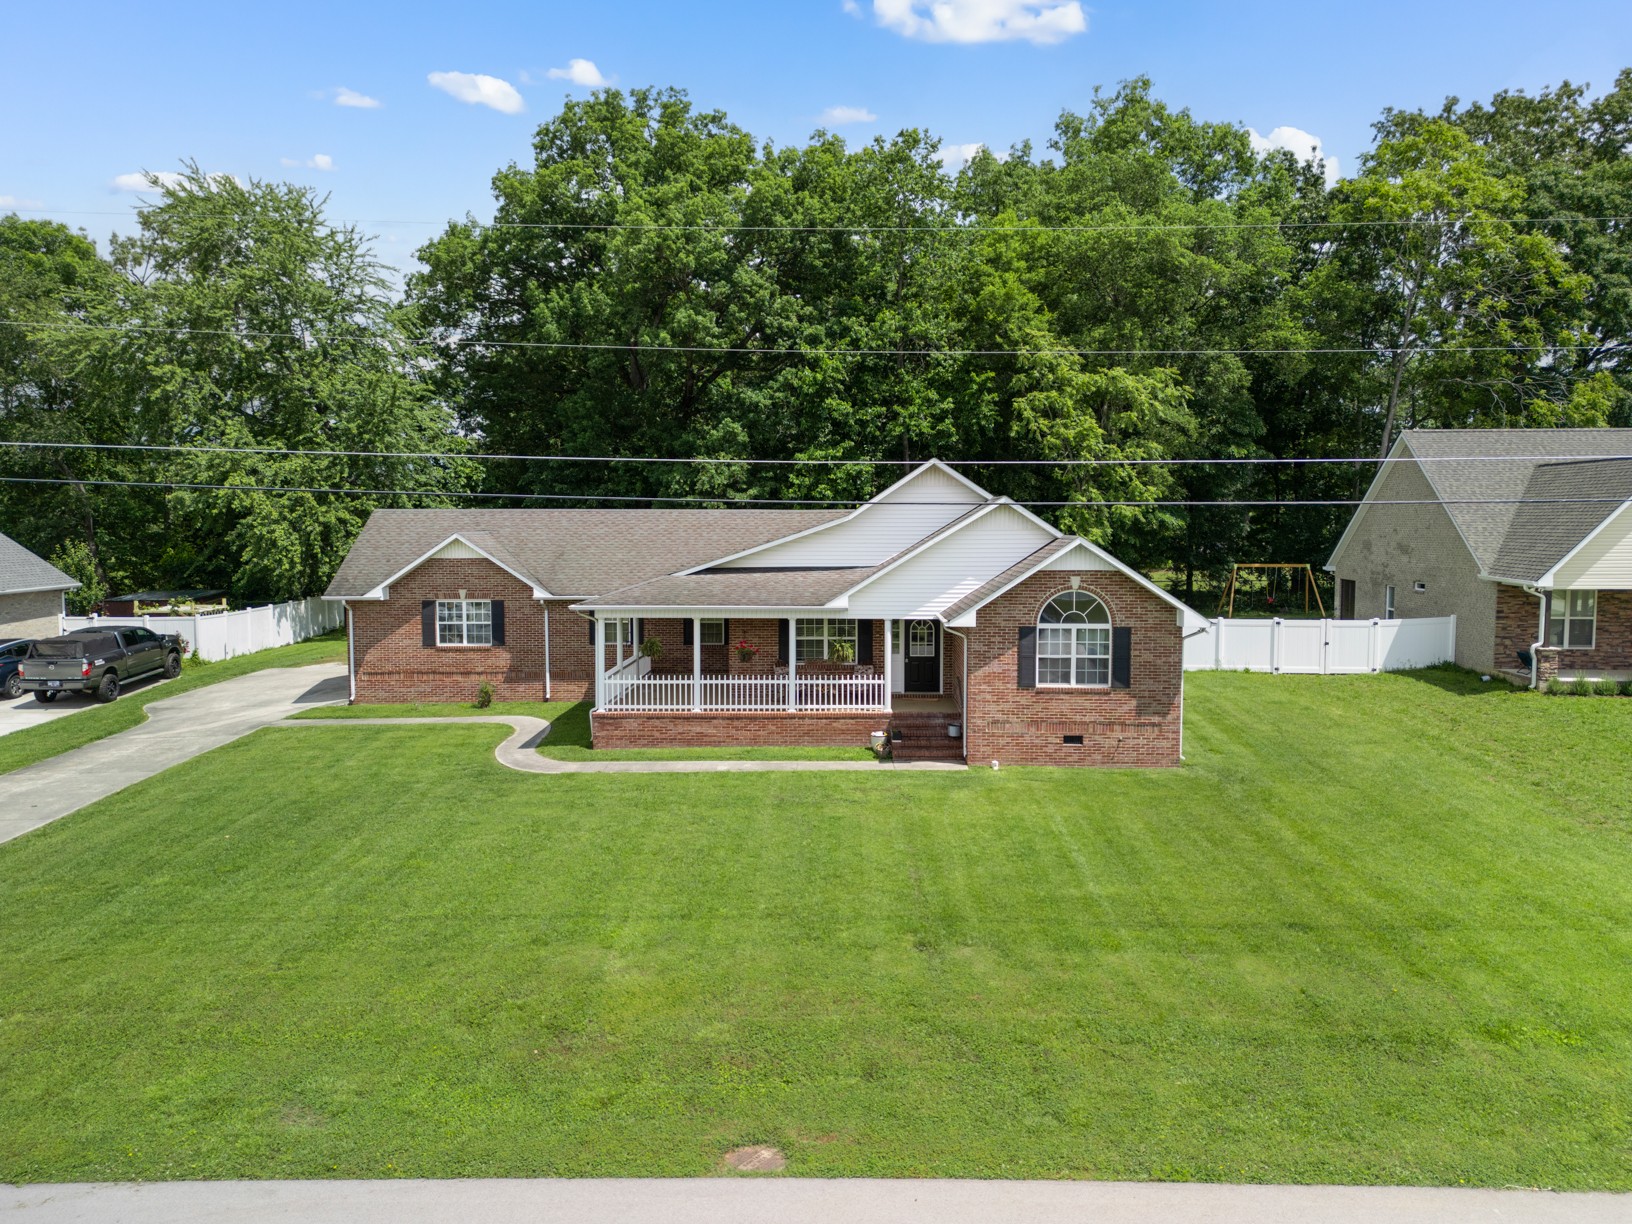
927,230
624,347
823,503
1239,461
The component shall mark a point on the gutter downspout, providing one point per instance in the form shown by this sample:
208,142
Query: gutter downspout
1546,598
963,691
351,657
546,608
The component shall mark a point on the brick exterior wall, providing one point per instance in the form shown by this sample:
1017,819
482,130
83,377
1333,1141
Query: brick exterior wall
775,729
1139,725
1518,617
393,665
31,614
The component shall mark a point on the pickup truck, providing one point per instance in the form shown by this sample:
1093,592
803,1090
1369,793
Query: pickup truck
97,661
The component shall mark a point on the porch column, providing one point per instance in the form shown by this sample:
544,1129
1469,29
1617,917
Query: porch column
619,623
696,663
600,662
889,666
793,663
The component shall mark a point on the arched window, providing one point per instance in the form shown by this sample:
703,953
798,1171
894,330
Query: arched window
1074,641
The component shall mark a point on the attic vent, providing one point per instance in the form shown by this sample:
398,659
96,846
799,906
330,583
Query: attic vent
456,549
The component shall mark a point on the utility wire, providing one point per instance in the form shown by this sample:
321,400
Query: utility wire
1240,461
823,503
469,342
928,230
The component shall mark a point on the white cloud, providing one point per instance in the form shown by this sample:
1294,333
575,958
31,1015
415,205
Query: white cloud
10,201
848,114
139,180
350,97
982,21
956,156
1300,144
851,7
479,90
318,161
579,72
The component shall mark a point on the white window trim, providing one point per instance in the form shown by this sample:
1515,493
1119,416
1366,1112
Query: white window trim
1388,603
710,627
464,622
1561,599
826,637
1037,646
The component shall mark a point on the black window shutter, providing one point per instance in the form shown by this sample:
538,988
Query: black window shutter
592,631
640,632
427,622
725,632
1121,658
782,641
864,641
687,627
1028,656
498,622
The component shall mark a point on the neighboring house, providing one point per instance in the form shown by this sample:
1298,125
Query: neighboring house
1523,534
31,591
959,620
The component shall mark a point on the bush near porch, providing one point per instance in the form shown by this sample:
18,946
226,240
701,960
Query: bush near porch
1387,945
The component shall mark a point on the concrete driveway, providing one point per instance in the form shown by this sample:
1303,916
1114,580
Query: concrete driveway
19,713
177,728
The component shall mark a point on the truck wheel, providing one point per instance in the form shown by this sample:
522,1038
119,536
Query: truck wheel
45,698
14,686
108,690
172,665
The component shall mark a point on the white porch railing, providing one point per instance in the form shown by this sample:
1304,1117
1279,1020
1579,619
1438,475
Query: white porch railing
636,689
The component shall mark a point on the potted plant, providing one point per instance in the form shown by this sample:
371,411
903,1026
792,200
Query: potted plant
651,648
841,652
746,651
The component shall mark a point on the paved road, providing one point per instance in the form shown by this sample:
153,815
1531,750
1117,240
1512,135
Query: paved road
177,728
788,1201
519,750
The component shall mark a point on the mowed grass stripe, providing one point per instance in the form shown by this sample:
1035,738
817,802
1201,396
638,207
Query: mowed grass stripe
1360,937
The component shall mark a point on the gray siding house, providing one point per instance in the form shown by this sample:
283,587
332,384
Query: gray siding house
31,591
1524,535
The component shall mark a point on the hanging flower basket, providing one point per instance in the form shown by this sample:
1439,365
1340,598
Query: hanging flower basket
746,651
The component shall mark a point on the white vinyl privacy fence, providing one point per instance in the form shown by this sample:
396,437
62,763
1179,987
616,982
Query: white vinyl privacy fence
1321,647
222,635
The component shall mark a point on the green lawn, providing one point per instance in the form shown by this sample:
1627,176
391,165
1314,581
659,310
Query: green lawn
437,709
1376,931
568,740
22,748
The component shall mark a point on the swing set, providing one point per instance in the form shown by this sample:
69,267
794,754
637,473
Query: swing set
1296,575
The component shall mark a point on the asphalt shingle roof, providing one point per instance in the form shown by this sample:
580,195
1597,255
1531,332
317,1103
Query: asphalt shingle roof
567,552
21,570
1545,528
1483,495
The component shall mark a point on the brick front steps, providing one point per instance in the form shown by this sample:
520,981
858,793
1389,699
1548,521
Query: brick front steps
923,737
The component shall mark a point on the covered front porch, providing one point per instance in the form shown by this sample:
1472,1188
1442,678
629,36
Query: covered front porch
755,664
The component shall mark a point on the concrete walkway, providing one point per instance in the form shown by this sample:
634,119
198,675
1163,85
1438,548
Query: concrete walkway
788,1201
176,729
520,750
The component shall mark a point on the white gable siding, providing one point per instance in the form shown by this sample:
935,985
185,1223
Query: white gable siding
950,568
1079,559
455,549
883,528
1604,562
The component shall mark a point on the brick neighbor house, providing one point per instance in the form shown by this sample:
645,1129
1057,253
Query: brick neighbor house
958,621
1523,534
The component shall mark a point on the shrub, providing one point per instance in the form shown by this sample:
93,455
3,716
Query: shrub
1557,687
1626,688
1581,686
1607,688
484,695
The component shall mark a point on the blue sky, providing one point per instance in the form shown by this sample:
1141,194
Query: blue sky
98,91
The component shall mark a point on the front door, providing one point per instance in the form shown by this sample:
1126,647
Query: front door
923,661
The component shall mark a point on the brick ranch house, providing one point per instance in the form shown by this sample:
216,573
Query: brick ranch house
960,622
1524,535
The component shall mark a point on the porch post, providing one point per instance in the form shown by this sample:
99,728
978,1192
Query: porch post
600,662
619,624
793,663
696,663
889,667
